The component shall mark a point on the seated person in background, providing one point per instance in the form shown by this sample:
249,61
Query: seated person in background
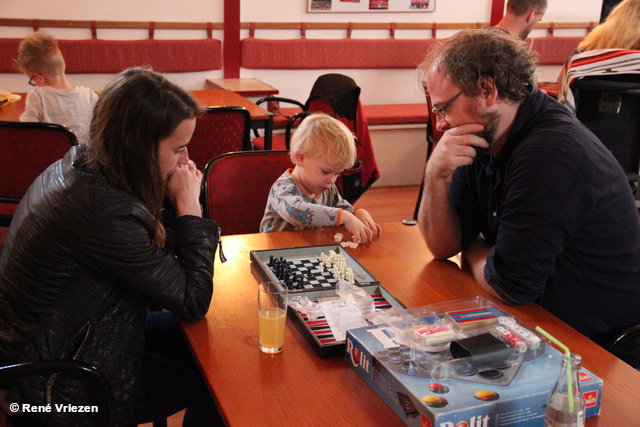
540,209
90,249
307,197
53,100
522,16
613,47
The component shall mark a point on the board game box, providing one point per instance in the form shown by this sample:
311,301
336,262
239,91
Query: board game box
469,382
301,266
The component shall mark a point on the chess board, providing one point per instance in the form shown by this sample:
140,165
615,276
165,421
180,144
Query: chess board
320,285
303,263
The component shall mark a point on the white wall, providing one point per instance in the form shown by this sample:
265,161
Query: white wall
400,152
378,86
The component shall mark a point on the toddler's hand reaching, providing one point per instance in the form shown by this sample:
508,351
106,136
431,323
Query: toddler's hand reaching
360,232
366,218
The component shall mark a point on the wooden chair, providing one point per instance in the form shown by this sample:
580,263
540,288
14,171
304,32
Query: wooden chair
220,130
236,187
26,150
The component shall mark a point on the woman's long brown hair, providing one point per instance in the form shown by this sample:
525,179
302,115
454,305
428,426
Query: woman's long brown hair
135,112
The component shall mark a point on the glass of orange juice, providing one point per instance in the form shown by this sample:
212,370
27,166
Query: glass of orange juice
272,316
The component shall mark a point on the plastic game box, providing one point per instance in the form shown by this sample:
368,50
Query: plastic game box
460,380
305,260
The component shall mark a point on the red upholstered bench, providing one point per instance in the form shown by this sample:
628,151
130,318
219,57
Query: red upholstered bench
396,114
112,56
377,115
351,53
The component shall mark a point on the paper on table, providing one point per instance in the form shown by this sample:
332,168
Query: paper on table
341,316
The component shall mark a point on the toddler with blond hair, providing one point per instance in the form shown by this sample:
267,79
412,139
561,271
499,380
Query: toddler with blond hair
306,196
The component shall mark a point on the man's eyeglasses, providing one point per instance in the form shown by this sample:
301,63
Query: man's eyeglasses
31,82
441,111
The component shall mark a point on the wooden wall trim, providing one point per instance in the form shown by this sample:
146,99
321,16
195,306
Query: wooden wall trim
348,26
159,25
65,23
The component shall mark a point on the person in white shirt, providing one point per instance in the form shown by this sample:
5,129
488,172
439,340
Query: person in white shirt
53,100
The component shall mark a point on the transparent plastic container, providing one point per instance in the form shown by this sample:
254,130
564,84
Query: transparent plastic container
471,340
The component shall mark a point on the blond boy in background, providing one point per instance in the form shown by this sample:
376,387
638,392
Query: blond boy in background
53,100
306,196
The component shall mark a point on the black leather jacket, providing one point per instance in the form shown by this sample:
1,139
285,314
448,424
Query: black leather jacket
77,274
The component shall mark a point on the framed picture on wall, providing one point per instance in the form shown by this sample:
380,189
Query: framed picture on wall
351,6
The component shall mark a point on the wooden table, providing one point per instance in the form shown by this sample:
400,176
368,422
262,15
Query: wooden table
12,112
248,87
296,387
260,118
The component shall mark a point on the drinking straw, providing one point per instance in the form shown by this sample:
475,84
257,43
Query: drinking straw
567,354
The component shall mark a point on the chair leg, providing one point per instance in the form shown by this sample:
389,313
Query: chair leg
430,144
417,209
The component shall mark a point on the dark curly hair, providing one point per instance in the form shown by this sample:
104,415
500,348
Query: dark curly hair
470,57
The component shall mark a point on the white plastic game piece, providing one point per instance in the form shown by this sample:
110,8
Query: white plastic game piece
532,340
338,237
507,337
349,275
433,335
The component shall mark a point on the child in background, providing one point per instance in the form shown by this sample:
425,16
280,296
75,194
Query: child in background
53,100
306,196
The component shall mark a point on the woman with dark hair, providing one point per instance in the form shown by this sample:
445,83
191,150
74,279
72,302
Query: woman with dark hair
91,248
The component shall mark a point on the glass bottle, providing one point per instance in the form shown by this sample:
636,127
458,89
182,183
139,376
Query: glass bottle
559,412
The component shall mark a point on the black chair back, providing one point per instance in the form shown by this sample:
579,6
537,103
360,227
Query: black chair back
610,107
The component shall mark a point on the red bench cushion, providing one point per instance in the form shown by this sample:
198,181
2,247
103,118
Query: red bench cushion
555,50
396,114
377,115
321,54
112,56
